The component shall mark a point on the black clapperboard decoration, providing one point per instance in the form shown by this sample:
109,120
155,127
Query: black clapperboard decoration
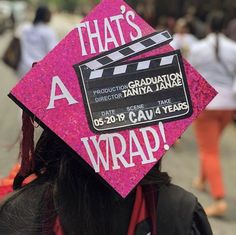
120,95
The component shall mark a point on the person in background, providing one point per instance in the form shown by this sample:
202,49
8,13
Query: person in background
198,27
215,58
183,39
36,40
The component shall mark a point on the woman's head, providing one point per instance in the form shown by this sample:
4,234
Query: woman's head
182,26
216,21
73,191
42,15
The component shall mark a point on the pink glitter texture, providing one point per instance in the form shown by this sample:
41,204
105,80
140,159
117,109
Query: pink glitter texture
69,122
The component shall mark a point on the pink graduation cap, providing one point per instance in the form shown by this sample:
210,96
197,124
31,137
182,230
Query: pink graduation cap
116,93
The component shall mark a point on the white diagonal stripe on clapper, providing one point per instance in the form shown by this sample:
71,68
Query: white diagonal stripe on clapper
158,38
115,56
120,69
96,74
137,47
94,64
143,65
167,60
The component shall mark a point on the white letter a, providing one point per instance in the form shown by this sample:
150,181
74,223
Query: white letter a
65,93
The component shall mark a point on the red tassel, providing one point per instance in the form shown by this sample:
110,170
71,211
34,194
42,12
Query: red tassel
145,206
151,199
26,146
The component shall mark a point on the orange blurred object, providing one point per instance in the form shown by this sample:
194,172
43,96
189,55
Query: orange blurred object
7,182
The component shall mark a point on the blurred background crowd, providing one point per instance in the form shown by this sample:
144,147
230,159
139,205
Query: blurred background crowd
158,13
186,20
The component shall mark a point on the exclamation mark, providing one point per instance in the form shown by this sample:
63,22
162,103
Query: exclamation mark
161,128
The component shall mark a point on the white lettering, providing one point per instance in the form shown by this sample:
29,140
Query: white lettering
131,14
117,19
82,25
114,154
103,32
135,142
99,154
95,35
65,93
112,38
119,152
150,150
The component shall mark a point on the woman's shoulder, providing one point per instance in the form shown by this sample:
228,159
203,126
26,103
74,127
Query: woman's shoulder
180,212
20,210
172,195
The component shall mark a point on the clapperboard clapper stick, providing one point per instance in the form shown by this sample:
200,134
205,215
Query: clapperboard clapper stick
111,89
139,46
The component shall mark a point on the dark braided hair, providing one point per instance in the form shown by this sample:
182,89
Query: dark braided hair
216,22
